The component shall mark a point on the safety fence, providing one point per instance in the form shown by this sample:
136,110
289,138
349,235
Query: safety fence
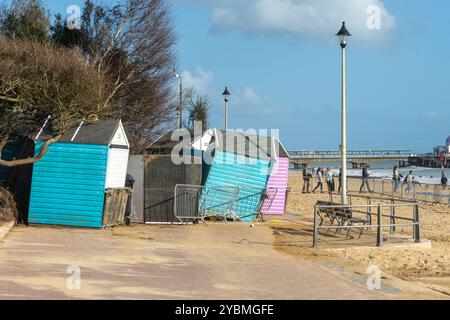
432,193
196,203
386,215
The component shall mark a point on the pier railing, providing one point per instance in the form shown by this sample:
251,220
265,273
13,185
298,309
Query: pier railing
364,154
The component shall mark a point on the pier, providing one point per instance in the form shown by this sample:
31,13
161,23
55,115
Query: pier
358,158
430,161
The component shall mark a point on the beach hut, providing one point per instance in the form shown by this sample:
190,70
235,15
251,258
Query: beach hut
68,184
156,176
278,179
243,160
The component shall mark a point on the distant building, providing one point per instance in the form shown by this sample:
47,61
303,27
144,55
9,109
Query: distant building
439,150
448,145
442,150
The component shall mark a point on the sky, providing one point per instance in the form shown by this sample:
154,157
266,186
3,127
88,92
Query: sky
282,64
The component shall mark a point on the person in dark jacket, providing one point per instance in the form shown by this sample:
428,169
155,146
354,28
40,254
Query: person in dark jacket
365,180
340,180
306,180
444,181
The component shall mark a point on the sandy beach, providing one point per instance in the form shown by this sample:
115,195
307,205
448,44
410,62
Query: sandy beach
427,266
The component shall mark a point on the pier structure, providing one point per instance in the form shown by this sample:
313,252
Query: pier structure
357,158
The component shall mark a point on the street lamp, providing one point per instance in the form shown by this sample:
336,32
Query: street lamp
180,107
226,96
343,35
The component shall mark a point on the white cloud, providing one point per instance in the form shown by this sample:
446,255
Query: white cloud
312,18
249,102
200,80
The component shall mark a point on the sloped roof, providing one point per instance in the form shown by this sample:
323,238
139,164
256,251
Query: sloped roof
164,144
249,145
99,132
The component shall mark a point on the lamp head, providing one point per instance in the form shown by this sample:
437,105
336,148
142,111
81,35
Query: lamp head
343,35
226,94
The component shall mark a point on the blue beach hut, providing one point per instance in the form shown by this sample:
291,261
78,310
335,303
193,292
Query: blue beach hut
68,184
236,159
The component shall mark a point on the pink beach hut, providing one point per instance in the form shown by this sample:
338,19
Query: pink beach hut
278,179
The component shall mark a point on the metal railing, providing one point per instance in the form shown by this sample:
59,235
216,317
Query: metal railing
196,203
428,193
432,193
334,154
347,216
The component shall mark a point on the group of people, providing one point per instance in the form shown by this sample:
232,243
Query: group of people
321,175
326,175
409,180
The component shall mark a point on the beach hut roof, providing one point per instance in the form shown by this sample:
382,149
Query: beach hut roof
164,144
242,143
99,132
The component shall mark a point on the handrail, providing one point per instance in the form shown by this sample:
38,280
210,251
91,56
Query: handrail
379,225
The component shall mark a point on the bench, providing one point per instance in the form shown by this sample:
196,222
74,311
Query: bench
343,216
326,213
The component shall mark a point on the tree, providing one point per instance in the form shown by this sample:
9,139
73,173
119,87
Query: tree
132,44
37,81
198,110
25,20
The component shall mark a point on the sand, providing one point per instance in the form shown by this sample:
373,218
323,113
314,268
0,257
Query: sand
427,266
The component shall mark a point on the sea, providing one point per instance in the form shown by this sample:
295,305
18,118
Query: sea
383,170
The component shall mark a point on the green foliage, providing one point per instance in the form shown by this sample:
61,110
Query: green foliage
130,45
198,107
25,20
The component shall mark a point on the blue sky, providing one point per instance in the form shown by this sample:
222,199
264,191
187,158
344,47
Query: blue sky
281,62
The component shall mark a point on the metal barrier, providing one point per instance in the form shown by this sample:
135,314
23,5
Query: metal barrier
432,193
346,217
197,203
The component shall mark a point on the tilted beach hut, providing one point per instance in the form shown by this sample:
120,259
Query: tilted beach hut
243,160
68,184
278,179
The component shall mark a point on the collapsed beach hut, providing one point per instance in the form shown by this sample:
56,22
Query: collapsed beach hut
248,162
68,184
156,176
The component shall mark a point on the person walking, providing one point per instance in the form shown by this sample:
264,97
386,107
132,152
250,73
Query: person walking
410,180
444,181
329,177
306,180
340,180
365,180
397,179
319,175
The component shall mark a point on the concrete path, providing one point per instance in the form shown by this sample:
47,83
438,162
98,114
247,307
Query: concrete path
220,261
